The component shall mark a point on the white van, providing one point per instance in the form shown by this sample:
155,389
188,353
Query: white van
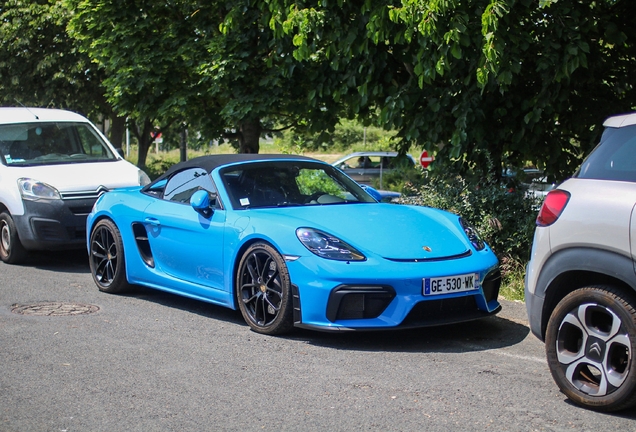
53,166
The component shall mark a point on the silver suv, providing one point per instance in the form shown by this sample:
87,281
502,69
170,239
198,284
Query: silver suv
581,281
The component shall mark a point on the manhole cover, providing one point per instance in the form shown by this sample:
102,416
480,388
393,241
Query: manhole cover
54,309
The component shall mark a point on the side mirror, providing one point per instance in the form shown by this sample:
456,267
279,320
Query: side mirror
200,202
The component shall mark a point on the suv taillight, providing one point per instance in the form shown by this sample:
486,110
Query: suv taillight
552,207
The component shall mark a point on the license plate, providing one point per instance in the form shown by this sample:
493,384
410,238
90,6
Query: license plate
450,284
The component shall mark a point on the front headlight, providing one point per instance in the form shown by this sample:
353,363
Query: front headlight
34,190
143,178
327,246
472,235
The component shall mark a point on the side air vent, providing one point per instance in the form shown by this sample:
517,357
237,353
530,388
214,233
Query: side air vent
143,245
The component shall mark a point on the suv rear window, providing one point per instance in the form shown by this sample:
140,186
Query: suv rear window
614,158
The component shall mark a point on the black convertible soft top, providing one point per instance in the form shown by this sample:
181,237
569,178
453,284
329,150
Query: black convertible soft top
211,162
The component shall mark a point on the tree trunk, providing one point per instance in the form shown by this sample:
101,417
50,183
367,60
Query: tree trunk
249,136
117,129
183,144
144,140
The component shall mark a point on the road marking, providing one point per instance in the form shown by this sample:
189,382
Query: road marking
497,351
522,357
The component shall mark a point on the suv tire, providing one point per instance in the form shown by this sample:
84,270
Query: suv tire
590,347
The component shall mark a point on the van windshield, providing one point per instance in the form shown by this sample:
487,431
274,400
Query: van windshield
47,143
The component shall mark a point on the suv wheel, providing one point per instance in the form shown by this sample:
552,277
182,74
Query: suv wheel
590,346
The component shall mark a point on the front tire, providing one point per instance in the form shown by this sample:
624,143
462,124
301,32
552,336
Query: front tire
11,249
590,346
107,261
263,290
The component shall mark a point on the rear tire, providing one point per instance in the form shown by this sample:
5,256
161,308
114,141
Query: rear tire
107,261
11,249
590,345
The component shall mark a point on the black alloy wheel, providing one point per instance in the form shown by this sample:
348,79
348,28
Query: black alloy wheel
108,266
263,290
590,346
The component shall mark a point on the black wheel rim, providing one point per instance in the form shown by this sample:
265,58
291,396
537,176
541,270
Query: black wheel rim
261,288
593,349
104,256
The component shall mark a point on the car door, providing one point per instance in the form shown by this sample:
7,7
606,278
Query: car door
187,245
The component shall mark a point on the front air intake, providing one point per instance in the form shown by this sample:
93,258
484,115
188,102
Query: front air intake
349,302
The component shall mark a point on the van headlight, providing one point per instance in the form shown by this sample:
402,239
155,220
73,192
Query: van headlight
143,178
34,190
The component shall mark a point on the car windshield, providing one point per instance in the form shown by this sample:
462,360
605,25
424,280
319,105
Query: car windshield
289,183
27,144
614,158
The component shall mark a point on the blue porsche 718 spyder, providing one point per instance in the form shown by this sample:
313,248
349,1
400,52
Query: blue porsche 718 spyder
291,241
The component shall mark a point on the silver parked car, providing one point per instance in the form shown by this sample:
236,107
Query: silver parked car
365,167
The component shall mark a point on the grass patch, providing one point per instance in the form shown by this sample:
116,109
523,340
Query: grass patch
512,279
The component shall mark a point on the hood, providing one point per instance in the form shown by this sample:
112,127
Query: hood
88,176
392,231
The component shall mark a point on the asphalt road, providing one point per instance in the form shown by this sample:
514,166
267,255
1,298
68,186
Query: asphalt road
150,361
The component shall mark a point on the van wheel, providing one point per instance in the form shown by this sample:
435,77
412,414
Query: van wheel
11,249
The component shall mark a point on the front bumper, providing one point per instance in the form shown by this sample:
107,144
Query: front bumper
534,307
376,296
54,224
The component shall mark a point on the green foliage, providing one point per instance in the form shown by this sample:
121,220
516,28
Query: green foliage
513,272
515,81
312,181
40,64
348,135
403,178
506,81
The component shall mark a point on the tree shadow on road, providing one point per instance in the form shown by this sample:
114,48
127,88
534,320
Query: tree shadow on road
484,334
70,261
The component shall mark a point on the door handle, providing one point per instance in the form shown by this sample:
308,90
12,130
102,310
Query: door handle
153,221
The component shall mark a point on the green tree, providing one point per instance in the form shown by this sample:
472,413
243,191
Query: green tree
215,66
485,83
40,65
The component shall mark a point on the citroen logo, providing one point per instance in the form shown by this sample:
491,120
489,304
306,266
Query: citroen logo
427,249
595,350
101,190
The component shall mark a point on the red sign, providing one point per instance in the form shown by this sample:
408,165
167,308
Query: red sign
425,159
